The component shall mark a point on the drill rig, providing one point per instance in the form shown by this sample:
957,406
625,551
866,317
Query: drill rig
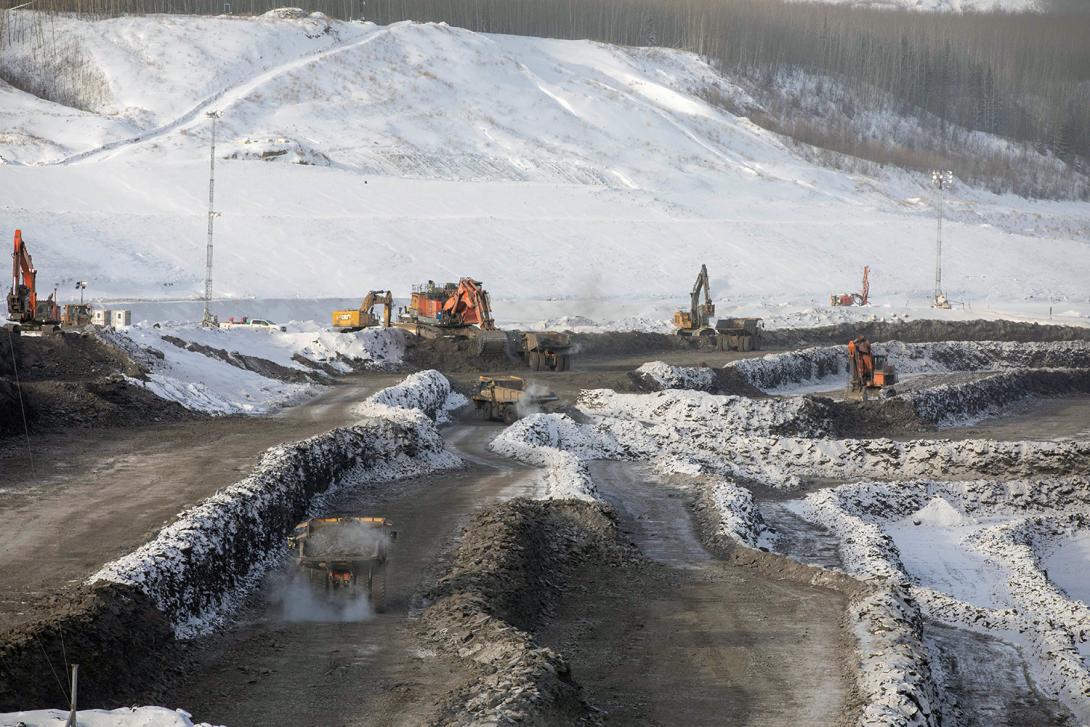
839,299
697,320
24,308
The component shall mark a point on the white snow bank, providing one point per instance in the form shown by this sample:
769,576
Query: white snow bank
304,346
970,552
426,391
677,413
197,568
678,377
227,383
562,447
739,519
123,717
205,383
968,402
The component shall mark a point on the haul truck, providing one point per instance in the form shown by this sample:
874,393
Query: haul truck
345,555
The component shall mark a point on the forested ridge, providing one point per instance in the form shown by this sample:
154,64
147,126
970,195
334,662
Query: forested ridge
1025,77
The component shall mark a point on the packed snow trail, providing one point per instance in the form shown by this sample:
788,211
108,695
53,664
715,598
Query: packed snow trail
222,99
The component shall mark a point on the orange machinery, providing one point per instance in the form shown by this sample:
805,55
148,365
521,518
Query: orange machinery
854,298
451,306
869,371
23,304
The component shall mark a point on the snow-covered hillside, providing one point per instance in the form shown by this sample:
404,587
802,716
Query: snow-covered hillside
957,6
573,178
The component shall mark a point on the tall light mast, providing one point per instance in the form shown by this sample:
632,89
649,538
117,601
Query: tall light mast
209,319
942,180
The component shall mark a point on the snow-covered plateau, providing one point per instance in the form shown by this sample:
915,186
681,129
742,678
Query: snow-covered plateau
352,156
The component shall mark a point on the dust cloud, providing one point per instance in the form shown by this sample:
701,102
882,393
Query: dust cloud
301,593
301,601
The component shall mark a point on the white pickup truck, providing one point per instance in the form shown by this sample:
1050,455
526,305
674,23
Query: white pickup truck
251,323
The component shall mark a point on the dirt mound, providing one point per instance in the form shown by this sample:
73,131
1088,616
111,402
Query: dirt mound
923,331
13,410
124,646
106,402
621,342
505,576
74,379
452,354
70,356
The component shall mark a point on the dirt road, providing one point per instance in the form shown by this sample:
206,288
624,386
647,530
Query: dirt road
692,640
74,501
272,670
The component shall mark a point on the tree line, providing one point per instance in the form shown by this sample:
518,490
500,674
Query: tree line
1022,76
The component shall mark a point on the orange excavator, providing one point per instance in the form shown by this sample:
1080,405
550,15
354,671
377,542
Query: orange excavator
463,310
23,305
450,306
870,374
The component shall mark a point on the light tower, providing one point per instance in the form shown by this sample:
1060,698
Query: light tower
942,180
209,319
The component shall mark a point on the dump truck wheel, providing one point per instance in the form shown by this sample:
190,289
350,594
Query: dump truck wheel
378,588
510,416
563,362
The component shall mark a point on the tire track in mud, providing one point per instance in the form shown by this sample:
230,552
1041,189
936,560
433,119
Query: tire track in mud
688,638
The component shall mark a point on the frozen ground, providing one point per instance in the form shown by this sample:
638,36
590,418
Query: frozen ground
423,142
124,717
1004,557
279,368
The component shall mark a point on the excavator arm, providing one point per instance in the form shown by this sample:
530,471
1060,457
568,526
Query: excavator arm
470,304
23,298
701,314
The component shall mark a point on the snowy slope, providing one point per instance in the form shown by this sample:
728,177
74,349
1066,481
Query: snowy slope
957,6
571,177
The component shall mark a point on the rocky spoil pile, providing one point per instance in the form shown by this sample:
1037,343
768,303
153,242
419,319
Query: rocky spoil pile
507,572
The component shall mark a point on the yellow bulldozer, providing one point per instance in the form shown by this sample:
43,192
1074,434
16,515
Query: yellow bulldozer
357,319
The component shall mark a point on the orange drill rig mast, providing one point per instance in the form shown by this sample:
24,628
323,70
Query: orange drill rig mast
23,305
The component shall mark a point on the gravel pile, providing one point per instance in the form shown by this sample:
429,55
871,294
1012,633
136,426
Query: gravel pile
506,573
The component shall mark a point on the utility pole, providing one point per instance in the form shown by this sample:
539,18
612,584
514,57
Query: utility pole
942,180
209,319
82,286
72,699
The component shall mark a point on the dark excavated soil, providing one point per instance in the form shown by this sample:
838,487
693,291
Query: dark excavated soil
123,644
73,380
